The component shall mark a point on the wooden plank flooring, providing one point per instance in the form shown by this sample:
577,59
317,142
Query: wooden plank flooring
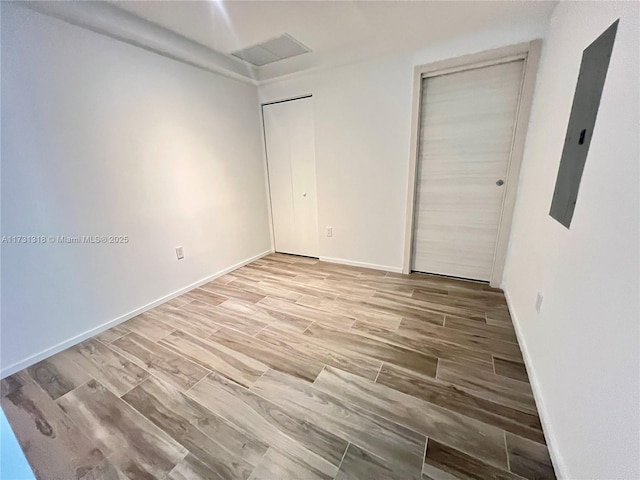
290,368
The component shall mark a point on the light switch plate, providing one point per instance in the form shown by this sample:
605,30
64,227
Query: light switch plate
179,253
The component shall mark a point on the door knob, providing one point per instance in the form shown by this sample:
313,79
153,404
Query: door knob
500,182
304,194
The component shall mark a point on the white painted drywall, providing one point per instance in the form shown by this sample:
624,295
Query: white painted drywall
102,138
363,123
583,347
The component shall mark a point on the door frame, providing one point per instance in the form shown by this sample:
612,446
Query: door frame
530,53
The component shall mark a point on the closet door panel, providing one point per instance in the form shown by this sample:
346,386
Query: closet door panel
290,142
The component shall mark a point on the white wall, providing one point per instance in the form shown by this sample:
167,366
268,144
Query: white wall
363,123
583,347
103,138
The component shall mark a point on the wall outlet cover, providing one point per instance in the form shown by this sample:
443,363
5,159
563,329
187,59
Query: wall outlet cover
329,231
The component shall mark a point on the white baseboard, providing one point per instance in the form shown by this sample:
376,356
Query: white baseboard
552,444
33,359
362,264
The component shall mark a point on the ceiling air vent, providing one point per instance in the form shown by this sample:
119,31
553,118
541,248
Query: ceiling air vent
284,46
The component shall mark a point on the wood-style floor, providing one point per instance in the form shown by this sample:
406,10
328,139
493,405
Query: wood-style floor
290,368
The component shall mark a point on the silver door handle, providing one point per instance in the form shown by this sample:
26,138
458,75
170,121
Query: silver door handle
500,182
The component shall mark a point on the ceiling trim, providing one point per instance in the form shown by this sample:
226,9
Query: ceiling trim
106,19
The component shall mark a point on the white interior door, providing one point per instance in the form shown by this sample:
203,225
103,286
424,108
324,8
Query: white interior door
466,130
289,134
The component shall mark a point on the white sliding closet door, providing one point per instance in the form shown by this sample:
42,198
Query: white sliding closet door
466,130
289,134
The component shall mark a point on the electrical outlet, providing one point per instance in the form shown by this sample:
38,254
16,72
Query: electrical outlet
539,300
329,231
179,253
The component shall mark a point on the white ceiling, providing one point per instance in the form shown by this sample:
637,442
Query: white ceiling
335,31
